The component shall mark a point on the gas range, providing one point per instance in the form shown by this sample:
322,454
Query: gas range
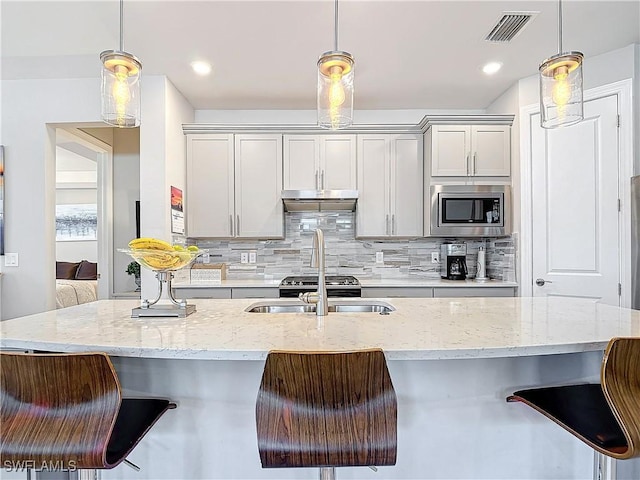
337,285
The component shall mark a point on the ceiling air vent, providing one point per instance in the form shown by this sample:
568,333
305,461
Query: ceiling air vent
509,25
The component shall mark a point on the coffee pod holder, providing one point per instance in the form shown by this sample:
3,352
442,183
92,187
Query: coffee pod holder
177,308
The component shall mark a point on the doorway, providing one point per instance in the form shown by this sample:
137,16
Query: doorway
84,202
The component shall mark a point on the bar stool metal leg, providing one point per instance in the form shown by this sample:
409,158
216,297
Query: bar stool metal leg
327,473
604,467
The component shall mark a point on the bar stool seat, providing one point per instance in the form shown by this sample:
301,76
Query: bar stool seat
326,410
67,410
605,416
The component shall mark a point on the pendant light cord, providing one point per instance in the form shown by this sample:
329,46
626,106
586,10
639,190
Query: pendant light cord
121,26
336,27
559,26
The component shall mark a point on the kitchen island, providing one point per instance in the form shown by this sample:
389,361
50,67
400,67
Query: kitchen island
452,361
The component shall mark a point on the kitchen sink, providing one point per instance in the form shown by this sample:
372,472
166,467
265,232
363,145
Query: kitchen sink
383,308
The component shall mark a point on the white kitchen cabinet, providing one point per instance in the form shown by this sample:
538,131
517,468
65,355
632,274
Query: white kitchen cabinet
258,186
234,184
390,186
470,150
448,292
209,197
320,162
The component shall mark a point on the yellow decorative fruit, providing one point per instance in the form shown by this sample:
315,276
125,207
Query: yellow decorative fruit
178,248
192,248
148,243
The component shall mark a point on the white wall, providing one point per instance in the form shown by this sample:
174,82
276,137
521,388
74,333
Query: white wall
296,117
27,107
126,190
162,161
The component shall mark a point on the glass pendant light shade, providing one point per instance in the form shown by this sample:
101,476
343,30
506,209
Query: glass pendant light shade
561,86
120,89
335,90
561,102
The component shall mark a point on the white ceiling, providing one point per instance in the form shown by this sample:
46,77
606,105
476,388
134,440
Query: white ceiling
409,54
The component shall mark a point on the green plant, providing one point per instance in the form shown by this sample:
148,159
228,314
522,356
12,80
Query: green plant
133,269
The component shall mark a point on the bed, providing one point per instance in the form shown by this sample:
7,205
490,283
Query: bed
76,283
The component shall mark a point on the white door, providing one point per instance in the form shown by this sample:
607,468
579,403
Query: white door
450,149
575,216
491,150
338,162
406,186
301,159
210,186
258,186
372,214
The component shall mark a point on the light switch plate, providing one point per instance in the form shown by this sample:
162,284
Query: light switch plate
10,259
435,257
253,256
379,257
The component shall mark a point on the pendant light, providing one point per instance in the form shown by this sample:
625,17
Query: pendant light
120,85
561,86
335,85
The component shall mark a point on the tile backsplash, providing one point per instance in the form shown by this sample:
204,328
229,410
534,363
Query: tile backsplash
346,255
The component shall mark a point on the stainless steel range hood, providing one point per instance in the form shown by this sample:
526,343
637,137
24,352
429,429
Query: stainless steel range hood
319,200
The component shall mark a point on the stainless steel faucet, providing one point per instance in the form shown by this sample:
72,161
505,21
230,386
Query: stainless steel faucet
317,260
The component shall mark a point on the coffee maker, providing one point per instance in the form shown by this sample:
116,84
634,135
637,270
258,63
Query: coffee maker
453,261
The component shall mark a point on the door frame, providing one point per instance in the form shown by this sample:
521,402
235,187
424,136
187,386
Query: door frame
623,90
104,186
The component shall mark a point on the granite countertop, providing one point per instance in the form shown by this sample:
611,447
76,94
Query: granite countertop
399,282
419,329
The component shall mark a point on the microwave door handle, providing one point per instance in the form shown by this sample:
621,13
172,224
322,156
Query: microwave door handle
464,268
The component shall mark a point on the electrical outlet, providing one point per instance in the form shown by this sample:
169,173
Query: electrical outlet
206,258
10,259
244,257
253,256
435,257
379,257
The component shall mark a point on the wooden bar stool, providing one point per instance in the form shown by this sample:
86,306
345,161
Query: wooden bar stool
326,410
605,416
66,411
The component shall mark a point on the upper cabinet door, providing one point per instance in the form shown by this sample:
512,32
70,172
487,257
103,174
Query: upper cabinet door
491,154
450,150
406,186
210,186
372,213
258,169
320,162
338,162
301,162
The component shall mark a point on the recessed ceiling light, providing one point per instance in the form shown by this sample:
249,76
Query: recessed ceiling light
491,68
201,68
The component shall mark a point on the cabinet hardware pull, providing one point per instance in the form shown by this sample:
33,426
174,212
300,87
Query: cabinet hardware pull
322,180
386,225
393,224
238,226
231,225
468,164
473,171
317,184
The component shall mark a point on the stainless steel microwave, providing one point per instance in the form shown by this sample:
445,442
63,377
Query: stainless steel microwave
470,211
